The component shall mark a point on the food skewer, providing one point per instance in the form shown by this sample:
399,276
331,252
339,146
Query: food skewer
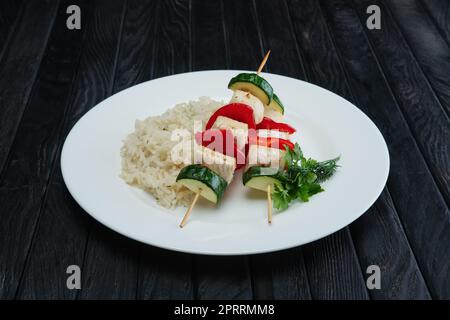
269,204
269,194
269,145
263,62
199,191
188,212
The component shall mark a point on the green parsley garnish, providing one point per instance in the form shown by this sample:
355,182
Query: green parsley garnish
301,178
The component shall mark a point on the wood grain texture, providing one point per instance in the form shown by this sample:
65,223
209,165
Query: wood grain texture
333,269
387,247
21,66
440,12
241,33
138,56
321,62
346,272
110,265
155,43
222,278
423,111
422,209
328,278
208,35
9,16
62,233
322,59
278,37
281,275
165,274
26,173
430,48
326,70
216,278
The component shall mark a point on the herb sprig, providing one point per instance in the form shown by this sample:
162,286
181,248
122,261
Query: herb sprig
301,177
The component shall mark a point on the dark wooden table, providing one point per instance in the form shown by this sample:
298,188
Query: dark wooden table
50,76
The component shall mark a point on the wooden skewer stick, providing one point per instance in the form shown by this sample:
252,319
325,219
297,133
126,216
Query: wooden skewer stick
269,199
269,194
269,204
188,212
263,62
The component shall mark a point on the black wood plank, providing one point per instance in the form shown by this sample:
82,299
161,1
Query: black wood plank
326,70
242,36
276,34
62,232
137,57
380,240
280,275
440,13
173,52
110,264
430,48
165,275
419,204
348,282
9,16
24,179
426,118
153,46
333,269
19,67
208,36
215,277
320,59
222,278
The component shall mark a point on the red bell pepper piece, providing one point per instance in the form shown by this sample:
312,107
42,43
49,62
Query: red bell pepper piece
236,111
271,142
269,124
221,141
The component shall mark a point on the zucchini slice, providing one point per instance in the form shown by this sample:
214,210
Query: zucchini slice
256,85
196,177
260,177
276,104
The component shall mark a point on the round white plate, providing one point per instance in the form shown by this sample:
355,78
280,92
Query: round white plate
327,124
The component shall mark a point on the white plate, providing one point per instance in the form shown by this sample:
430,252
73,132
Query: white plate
327,124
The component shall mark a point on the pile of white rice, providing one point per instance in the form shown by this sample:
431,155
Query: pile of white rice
146,153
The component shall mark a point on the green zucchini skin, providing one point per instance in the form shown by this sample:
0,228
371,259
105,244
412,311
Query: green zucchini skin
197,177
253,83
276,104
260,177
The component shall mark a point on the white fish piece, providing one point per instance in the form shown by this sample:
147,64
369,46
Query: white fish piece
220,163
189,152
237,128
273,114
240,96
264,157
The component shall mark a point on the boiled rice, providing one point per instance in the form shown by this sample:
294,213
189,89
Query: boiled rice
146,153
